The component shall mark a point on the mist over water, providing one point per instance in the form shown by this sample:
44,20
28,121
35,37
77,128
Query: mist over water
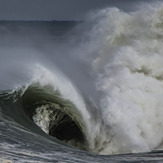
109,67
129,66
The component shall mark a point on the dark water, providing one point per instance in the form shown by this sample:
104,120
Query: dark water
82,91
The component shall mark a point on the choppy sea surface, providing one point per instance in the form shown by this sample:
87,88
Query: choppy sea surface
83,91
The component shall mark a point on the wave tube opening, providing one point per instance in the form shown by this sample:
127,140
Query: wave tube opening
54,115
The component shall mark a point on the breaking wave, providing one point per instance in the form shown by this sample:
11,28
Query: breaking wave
121,111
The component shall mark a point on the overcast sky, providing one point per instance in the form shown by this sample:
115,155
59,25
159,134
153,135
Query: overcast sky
58,9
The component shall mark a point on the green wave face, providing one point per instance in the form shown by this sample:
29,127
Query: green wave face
53,114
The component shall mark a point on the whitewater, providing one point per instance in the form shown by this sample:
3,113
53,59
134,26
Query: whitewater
83,91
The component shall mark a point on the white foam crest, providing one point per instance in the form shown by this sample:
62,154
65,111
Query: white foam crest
128,50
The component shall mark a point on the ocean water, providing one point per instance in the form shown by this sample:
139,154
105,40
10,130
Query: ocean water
83,91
